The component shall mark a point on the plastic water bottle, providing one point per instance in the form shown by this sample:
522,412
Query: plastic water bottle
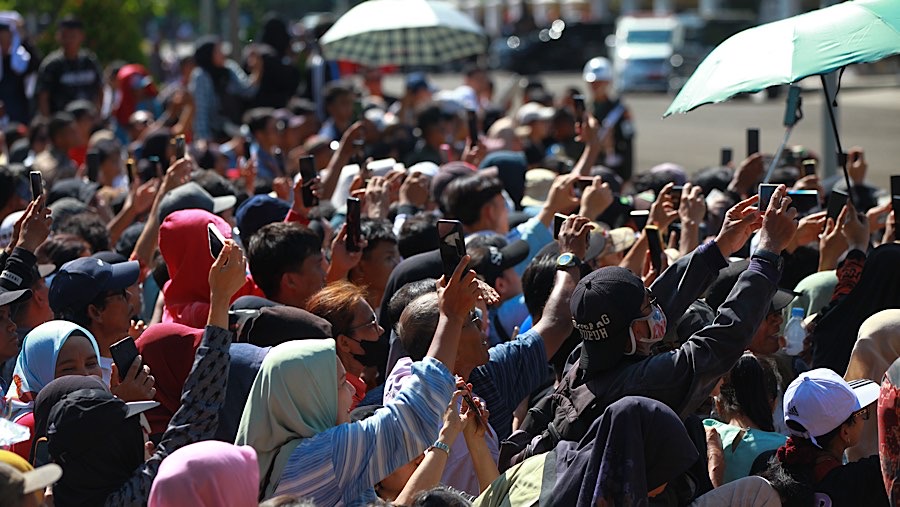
794,332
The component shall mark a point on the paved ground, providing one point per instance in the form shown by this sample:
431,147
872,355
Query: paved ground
869,117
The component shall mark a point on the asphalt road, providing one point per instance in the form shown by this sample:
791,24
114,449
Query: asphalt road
868,117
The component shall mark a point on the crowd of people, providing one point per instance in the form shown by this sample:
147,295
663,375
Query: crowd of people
614,335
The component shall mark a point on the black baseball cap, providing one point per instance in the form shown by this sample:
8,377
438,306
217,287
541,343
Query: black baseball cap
720,288
603,304
490,262
80,281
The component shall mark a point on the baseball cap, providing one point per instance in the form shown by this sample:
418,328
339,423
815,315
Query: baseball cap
14,483
80,281
418,81
446,174
491,261
820,401
606,241
537,186
7,227
192,196
76,188
8,297
597,69
257,212
532,112
274,325
603,304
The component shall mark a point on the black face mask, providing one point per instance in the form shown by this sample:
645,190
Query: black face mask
375,353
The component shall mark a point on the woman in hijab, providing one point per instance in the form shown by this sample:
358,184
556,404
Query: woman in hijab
218,86
877,346
51,350
297,416
207,474
630,454
184,243
878,289
103,447
744,405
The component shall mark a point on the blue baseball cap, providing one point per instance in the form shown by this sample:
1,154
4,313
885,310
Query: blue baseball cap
258,212
80,281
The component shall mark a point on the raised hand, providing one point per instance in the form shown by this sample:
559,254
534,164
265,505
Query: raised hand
458,295
779,222
137,385
573,236
740,222
228,273
595,199
662,211
33,226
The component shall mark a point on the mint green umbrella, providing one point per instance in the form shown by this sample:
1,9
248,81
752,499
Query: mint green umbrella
786,51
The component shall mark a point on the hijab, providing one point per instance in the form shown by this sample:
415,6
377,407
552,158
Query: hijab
130,78
293,397
207,474
184,244
878,289
636,446
36,364
168,349
877,346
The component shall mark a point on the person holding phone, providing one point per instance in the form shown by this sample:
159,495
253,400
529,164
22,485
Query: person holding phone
297,414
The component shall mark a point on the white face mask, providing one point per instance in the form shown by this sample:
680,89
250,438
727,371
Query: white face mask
657,323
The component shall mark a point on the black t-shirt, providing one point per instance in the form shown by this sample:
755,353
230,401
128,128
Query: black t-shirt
67,80
857,483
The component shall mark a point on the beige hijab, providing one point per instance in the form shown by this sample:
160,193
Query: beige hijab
877,346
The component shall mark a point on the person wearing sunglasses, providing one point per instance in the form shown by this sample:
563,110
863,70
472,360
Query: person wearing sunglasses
826,415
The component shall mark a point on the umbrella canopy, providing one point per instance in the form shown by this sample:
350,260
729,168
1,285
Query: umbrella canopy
403,32
786,51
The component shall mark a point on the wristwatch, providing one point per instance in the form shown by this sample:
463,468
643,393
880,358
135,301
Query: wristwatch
568,260
772,258
440,445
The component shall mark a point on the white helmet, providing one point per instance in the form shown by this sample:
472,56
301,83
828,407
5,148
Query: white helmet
597,69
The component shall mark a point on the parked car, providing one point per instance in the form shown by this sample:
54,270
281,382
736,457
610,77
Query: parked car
561,46
641,52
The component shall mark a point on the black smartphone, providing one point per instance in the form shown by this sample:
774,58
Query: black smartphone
804,201
358,112
308,173
279,160
354,231
452,245
725,156
765,195
123,353
582,183
809,167
579,107
558,220
473,126
157,166
92,161
216,240
836,202
640,217
675,192
752,141
40,453
131,167
37,184
180,147
895,195
654,242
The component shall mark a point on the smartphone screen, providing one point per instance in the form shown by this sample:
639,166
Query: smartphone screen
37,184
804,201
92,161
123,353
836,202
765,195
579,107
581,184
180,148
752,141
473,126
308,173
354,231
809,167
452,245
725,156
216,240
654,242
675,192
558,220
640,217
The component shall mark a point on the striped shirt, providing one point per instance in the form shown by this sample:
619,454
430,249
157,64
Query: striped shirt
340,466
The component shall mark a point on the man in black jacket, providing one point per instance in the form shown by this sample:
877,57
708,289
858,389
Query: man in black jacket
619,320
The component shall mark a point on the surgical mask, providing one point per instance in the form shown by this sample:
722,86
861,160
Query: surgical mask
657,322
375,353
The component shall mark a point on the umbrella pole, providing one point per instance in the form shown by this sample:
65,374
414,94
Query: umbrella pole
837,138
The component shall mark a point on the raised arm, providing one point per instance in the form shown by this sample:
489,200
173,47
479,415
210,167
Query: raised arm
177,174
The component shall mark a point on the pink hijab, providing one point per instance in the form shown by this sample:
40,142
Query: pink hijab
208,473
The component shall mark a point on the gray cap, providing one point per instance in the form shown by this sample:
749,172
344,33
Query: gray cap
193,196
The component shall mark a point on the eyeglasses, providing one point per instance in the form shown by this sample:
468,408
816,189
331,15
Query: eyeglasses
373,324
119,293
863,414
652,301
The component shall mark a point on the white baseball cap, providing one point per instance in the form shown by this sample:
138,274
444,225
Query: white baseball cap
597,69
820,400
533,111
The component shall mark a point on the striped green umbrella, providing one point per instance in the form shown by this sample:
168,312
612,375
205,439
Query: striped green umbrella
403,32
786,51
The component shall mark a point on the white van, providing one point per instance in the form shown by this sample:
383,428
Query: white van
641,51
